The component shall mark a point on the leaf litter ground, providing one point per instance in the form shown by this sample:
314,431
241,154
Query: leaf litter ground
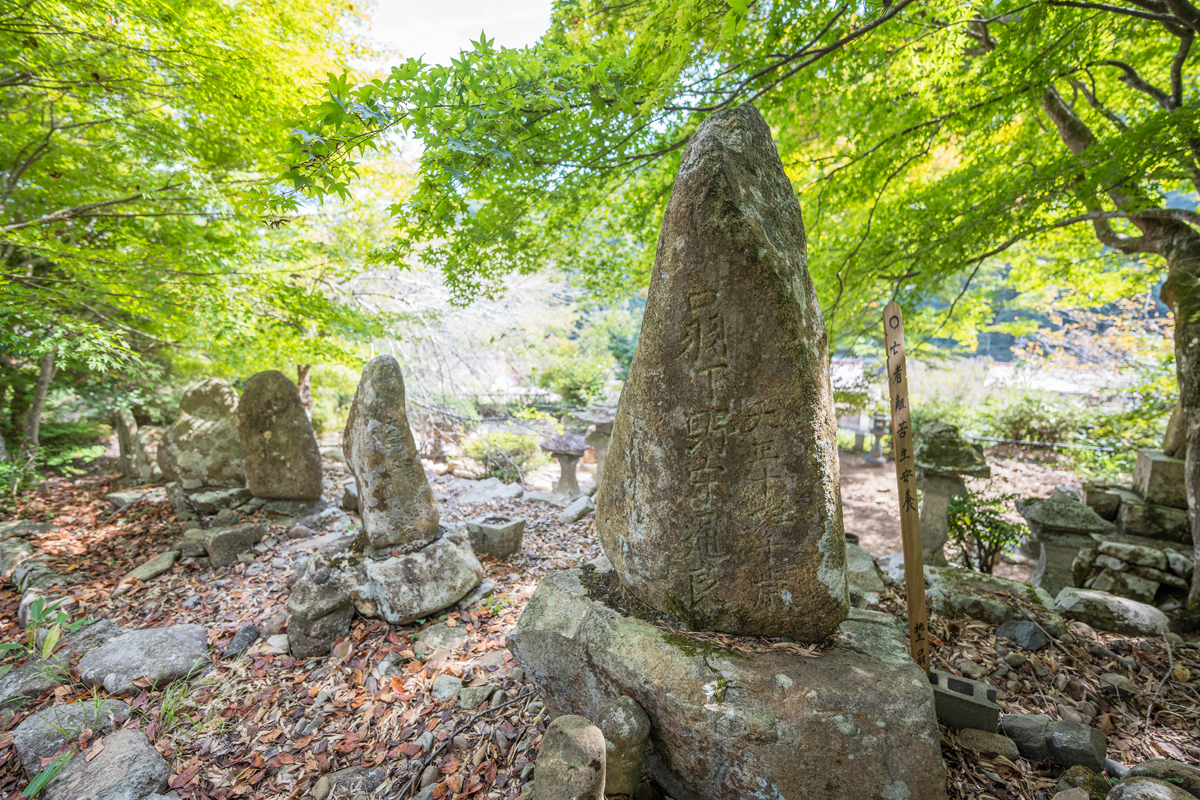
269,726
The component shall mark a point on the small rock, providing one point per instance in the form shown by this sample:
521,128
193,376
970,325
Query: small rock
430,776
436,637
160,655
971,669
39,736
1016,660
275,624
460,742
349,783
1108,612
1111,680
1185,776
1071,794
278,644
626,730
1115,769
153,568
446,686
245,636
580,507
993,744
1029,732
484,590
1026,633
1083,779
474,696
226,545
1145,788
127,768
1073,743
570,763
300,532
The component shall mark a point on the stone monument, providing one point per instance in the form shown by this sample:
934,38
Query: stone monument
201,449
403,565
283,461
721,502
720,510
943,458
127,429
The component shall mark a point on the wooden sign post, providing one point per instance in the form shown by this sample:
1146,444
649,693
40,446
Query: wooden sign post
906,478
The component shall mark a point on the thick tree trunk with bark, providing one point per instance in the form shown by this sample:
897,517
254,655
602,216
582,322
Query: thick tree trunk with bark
1179,244
46,370
304,384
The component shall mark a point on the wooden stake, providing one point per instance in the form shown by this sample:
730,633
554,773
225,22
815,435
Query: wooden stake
906,479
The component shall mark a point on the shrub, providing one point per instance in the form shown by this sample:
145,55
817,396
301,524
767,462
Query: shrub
577,378
1031,417
977,526
506,455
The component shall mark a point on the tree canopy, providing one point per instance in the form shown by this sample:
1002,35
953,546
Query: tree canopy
926,141
130,128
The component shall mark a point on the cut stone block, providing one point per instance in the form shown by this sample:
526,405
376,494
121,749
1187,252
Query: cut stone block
1134,554
224,544
1139,518
1159,479
1124,584
723,724
1103,500
496,535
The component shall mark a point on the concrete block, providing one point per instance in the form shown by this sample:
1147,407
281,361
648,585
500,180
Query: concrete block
964,703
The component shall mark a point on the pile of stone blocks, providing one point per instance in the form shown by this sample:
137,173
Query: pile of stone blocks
1155,507
1155,575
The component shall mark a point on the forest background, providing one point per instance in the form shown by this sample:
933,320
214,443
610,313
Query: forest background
189,192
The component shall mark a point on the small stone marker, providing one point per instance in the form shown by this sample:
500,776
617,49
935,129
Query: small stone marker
283,461
910,522
202,449
720,501
394,498
570,763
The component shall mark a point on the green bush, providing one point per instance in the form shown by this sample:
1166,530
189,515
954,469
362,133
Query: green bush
1032,417
506,455
575,377
977,527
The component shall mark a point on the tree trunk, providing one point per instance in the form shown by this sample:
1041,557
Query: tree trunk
304,384
45,374
1182,292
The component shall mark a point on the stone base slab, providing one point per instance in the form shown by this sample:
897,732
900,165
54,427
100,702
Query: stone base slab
857,721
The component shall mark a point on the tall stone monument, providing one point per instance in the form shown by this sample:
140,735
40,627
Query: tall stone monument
283,461
720,502
404,565
394,498
720,509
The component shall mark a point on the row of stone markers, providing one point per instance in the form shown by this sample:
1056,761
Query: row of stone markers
223,450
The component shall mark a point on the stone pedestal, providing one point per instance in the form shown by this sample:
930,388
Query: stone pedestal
1136,517
855,722
599,440
935,515
567,483
1055,567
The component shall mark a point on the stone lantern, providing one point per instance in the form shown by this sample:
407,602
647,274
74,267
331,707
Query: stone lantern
600,421
943,458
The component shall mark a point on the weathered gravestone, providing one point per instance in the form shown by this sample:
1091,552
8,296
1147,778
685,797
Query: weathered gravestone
145,452
394,498
720,502
201,449
283,461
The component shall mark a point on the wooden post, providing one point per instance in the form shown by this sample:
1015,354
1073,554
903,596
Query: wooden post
910,518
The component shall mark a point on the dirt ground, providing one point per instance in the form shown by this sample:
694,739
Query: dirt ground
240,731
871,504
